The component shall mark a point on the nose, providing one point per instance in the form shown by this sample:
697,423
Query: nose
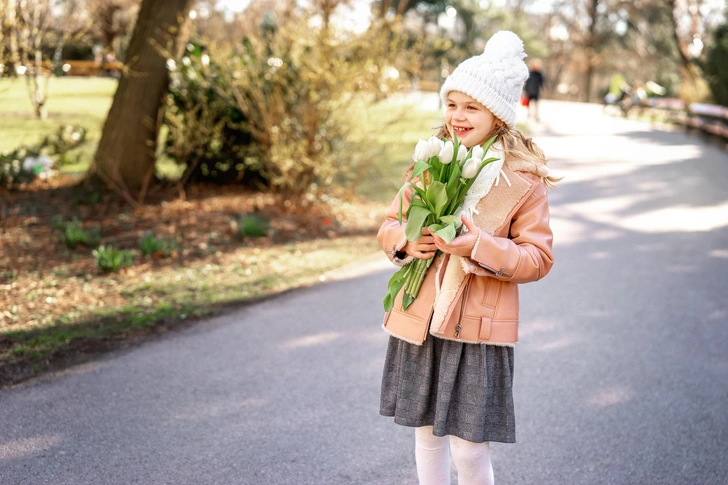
458,114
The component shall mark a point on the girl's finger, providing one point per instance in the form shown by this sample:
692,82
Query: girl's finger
472,228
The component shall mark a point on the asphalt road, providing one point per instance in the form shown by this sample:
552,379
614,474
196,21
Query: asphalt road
621,372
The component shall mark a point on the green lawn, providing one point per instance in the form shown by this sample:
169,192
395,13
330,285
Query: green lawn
71,100
389,132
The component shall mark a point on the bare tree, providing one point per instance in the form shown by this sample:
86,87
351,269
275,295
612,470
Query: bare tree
125,156
112,19
36,22
590,46
11,32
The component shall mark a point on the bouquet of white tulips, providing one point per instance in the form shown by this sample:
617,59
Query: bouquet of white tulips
442,174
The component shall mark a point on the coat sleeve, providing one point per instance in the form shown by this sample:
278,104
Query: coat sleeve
526,254
391,235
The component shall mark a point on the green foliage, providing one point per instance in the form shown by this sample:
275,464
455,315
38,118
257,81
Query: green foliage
73,235
203,122
150,245
250,225
110,260
26,162
272,114
715,65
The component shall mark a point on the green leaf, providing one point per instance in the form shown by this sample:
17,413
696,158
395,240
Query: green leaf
415,222
452,183
487,144
447,233
399,214
435,227
448,219
396,282
437,197
419,167
407,300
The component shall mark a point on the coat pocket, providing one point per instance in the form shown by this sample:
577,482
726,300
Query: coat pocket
491,293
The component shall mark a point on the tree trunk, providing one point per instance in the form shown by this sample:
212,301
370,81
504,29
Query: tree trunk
590,48
125,156
12,25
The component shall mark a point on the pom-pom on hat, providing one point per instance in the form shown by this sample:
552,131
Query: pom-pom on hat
494,78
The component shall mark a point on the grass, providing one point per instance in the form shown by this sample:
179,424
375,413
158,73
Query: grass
395,128
81,101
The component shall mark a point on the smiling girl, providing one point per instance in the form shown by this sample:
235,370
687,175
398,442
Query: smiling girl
455,384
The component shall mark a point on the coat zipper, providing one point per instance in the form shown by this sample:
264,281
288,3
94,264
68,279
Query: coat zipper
462,307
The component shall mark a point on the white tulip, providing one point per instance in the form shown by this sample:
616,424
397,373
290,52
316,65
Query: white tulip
478,152
462,152
446,153
434,145
470,169
29,164
421,151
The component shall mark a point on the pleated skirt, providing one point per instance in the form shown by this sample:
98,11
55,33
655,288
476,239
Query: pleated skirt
460,389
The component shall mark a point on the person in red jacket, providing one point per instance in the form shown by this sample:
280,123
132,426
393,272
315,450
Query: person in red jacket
450,359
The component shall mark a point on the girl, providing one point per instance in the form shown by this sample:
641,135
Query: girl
449,364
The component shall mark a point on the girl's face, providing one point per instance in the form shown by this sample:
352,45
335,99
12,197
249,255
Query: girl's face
468,119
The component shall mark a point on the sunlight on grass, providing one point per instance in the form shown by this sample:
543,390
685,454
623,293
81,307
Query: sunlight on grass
393,129
78,101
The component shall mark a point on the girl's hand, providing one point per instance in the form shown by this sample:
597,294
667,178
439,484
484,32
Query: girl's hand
461,245
423,248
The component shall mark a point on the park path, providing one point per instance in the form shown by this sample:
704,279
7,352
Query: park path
621,372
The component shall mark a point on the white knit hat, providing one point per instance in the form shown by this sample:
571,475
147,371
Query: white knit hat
495,78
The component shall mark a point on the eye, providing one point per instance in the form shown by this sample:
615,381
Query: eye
472,108
450,105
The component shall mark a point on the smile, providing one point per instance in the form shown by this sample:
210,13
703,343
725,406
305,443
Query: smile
461,130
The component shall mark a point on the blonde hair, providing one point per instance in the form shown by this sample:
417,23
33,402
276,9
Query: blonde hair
514,145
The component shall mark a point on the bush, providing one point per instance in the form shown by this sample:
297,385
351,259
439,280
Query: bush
204,123
715,65
28,162
110,260
73,235
250,225
272,114
149,245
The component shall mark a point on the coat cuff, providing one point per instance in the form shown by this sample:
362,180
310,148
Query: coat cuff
399,257
481,264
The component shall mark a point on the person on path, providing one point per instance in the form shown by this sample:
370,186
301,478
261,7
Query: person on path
533,87
449,364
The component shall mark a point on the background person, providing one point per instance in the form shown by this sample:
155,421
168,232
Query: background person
533,87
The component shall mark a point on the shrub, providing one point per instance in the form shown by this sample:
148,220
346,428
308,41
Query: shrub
715,65
250,225
272,114
27,162
150,245
109,259
74,235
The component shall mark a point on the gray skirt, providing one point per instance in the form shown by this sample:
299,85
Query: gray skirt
460,389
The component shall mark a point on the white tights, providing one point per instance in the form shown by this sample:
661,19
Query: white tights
472,460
